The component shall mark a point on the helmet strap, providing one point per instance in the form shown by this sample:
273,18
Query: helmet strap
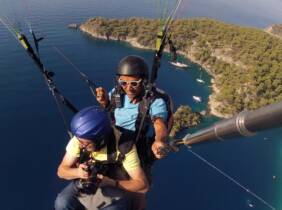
102,142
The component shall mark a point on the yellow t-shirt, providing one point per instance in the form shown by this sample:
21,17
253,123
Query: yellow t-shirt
130,162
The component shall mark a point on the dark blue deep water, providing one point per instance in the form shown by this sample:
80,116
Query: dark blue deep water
32,133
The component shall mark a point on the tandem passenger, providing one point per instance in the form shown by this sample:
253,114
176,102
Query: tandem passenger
101,177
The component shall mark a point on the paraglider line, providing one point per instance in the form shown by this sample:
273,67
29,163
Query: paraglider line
231,179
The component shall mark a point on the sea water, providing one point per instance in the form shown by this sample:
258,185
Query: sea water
33,136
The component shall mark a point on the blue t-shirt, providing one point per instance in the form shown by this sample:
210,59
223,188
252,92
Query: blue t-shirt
126,116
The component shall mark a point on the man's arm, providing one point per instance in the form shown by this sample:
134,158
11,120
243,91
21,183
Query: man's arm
137,183
68,170
160,137
160,130
159,114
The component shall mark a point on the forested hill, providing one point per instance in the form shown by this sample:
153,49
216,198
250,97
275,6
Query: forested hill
246,63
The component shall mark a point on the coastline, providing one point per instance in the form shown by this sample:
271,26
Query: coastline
212,103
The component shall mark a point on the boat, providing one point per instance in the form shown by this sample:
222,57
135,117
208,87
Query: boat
174,60
73,26
179,64
250,204
198,99
199,80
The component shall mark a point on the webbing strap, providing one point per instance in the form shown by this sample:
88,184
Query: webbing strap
111,148
142,120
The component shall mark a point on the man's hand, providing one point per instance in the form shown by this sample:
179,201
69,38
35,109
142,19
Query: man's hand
158,149
82,171
102,96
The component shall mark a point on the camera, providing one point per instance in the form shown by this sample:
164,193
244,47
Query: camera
89,186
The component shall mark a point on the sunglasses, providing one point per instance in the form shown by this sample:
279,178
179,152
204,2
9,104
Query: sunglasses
131,83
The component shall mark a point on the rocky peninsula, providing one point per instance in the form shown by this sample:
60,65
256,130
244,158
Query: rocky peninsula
245,63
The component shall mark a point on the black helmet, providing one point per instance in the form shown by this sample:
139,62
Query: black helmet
133,65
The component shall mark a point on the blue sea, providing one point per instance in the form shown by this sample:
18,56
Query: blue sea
33,137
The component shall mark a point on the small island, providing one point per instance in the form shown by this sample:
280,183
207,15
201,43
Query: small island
184,117
245,63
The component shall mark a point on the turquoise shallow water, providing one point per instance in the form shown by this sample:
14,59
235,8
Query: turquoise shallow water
33,136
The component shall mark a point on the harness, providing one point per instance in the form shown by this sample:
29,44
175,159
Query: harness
113,165
141,139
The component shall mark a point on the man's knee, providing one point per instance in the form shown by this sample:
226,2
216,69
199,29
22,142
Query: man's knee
66,202
67,199
61,202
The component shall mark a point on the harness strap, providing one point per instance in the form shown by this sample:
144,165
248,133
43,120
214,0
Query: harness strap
143,119
111,148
